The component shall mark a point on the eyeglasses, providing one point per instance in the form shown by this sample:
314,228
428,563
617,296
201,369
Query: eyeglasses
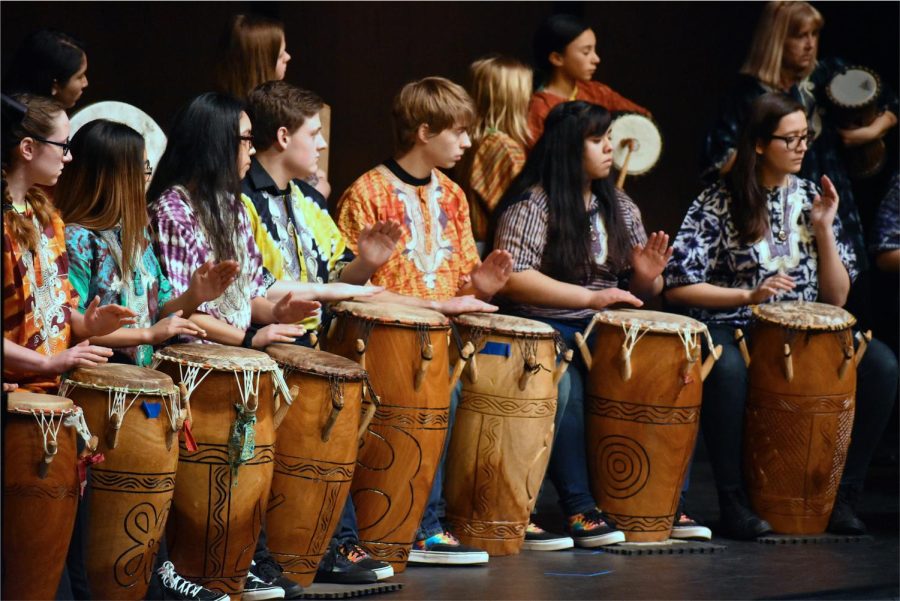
793,142
63,145
248,140
148,169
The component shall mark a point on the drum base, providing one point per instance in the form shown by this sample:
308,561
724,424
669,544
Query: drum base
345,591
667,547
819,539
497,538
395,554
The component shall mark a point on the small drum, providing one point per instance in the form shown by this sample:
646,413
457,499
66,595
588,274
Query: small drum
636,143
315,454
225,461
854,95
132,116
40,492
642,412
405,350
136,413
503,429
799,414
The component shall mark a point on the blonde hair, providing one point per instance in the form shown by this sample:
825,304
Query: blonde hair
434,101
249,52
778,21
501,89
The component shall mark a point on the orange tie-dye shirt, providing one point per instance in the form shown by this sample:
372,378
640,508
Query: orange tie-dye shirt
436,252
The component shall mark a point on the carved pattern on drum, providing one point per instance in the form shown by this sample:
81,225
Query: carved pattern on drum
297,564
393,552
844,428
217,454
405,417
763,399
324,525
132,482
41,492
494,530
625,466
220,482
783,506
324,471
400,471
644,414
506,407
774,468
635,523
489,464
142,525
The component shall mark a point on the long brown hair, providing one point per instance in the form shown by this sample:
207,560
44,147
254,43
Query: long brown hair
749,197
38,120
778,21
248,53
104,185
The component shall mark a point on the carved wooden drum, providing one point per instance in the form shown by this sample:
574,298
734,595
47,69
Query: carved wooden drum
799,412
136,413
642,411
854,95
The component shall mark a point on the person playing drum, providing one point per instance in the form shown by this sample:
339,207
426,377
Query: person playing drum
761,234
565,60
600,243
49,63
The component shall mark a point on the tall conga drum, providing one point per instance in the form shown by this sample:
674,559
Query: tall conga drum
315,454
503,429
799,412
40,492
642,412
405,350
135,413
225,461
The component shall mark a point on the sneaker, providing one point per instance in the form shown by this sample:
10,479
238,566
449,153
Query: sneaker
687,527
177,588
270,571
538,539
444,549
337,568
589,530
358,555
257,589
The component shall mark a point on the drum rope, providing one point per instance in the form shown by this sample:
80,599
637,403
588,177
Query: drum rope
49,427
250,388
528,348
691,344
115,402
281,386
76,420
188,374
633,334
424,338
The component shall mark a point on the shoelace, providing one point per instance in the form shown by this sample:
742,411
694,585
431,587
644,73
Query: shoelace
534,528
447,538
353,552
177,583
589,520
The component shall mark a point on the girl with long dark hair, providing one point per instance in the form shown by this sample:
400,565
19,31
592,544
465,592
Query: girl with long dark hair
49,63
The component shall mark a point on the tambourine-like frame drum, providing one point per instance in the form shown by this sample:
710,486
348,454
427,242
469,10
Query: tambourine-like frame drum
225,462
636,143
135,412
503,429
405,351
642,412
854,95
132,116
799,415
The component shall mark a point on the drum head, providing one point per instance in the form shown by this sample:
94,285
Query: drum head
798,315
392,313
506,324
217,356
26,402
855,87
132,116
123,377
311,361
647,143
655,321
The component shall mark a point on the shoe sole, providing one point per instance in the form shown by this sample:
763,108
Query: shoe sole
384,573
263,595
556,544
610,538
698,532
440,558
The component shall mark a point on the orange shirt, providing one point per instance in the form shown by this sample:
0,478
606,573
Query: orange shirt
498,159
436,252
37,299
543,101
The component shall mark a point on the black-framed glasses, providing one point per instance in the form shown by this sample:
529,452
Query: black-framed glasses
64,145
247,139
793,142
148,169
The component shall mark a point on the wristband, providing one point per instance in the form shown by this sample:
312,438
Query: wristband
248,337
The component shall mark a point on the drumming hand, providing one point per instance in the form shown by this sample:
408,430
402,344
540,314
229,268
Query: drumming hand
174,325
276,332
9,386
291,310
770,287
601,299
465,304
859,135
376,243
649,260
100,321
491,276
338,291
824,206
211,280
82,354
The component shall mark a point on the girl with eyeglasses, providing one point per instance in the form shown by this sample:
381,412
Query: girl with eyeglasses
762,234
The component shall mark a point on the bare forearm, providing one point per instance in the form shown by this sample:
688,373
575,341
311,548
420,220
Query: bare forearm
17,358
262,310
217,330
124,337
357,272
834,282
401,299
884,122
186,303
708,296
646,289
535,288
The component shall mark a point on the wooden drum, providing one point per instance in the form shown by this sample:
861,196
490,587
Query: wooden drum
503,429
642,412
799,412
315,454
854,95
405,350
135,412
225,461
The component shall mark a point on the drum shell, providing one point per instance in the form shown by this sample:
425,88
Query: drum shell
131,495
214,524
402,449
641,432
866,159
796,433
500,445
38,514
312,477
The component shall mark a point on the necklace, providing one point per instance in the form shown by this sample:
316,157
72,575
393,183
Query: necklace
781,231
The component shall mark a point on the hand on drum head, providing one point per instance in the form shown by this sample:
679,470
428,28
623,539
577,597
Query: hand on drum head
604,299
82,354
465,304
771,286
292,310
824,206
338,291
491,276
9,386
376,243
276,332
211,280
100,321
650,259
172,326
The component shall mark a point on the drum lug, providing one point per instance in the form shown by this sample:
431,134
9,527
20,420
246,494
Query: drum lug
711,359
788,363
864,340
427,356
329,425
742,345
314,340
374,403
361,351
583,348
625,365
464,355
563,366
44,467
531,367
112,430
285,405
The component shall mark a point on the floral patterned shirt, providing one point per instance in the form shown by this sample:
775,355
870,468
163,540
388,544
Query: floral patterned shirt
886,234
708,249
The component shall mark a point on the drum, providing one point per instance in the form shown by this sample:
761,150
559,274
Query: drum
136,413
642,410
315,454
225,461
854,95
503,429
636,143
799,412
405,350
132,116
40,492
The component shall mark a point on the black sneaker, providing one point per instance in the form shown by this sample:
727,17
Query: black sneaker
843,518
270,571
444,549
177,588
359,556
737,519
257,589
538,539
686,526
590,529
336,568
